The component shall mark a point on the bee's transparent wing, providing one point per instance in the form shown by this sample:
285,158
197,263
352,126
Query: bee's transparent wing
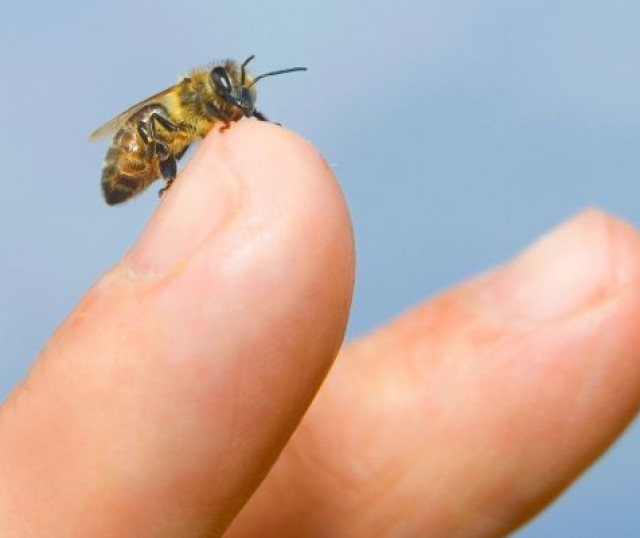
114,124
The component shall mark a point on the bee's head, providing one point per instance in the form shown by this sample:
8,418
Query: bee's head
235,85
230,84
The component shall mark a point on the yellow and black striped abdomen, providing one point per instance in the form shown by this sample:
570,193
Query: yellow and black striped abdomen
132,161
126,170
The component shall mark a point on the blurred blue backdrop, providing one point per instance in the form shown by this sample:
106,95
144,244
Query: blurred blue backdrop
459,131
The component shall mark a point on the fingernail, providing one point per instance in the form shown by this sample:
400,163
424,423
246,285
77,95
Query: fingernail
561,274
200,202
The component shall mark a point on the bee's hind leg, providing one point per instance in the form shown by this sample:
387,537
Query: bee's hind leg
165,188
159,150
168,169
166,162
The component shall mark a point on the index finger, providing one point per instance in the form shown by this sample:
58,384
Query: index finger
164,399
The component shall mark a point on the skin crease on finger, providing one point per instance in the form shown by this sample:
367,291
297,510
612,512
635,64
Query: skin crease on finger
162,401
467,415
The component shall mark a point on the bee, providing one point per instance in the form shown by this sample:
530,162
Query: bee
151,136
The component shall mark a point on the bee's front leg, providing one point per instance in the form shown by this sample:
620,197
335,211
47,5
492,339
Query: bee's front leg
217,114
260,116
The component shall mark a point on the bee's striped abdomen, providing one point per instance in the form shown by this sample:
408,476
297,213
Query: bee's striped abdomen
126,169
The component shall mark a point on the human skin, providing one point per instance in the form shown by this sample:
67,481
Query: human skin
166,397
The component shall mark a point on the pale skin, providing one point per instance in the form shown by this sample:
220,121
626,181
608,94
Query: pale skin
165,398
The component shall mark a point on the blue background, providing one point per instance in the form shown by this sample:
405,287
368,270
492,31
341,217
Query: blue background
460,130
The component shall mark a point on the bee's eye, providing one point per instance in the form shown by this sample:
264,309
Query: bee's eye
220,79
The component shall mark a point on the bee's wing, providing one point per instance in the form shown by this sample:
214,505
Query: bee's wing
114,124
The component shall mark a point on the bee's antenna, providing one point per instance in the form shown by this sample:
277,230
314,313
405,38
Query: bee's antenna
280,72
244,64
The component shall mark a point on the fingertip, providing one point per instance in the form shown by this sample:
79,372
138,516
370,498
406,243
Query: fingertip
258,171
625,249
578,265
197,355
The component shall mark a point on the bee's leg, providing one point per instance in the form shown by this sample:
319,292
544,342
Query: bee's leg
147,131
260,116
156,149
168,181
179,156
166,123
168,167
216,113
167,164
147,128
144,131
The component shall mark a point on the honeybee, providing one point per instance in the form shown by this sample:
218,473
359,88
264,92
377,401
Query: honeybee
151,136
